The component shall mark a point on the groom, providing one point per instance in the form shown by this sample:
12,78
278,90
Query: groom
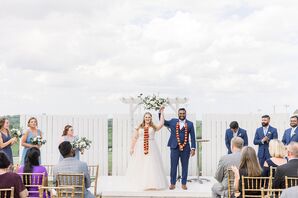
181,129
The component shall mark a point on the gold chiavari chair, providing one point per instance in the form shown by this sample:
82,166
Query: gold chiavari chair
231,179
7,193
291,181
251,186
59,192
72,179
32,182
272,171
94,171
271,193
50,172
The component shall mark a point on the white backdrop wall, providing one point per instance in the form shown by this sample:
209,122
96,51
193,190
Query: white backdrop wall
215,125
94,127
122,134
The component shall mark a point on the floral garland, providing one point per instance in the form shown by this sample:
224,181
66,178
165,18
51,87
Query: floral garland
181,146
146,140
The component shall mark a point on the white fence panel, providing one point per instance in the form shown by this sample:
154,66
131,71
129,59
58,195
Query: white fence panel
93,127
215,125
122,134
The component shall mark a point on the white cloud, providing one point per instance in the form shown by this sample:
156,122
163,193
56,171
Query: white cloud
81,57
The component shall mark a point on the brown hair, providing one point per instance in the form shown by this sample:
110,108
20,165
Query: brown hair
66,128
142,125
2,122
32,118
250,162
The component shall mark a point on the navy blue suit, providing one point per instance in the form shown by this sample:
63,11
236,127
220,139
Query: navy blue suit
230,134
263,151
176,154
287,138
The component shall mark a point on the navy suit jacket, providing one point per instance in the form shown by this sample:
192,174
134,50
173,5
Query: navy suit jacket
172,143
264,148
286,139
229,136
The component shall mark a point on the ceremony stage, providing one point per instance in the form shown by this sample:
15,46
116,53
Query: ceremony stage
113,187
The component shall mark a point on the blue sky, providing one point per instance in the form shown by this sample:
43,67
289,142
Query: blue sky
81,57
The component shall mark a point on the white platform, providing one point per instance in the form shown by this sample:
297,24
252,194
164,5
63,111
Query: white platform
112,187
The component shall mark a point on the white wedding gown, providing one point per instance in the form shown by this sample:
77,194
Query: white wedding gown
146,172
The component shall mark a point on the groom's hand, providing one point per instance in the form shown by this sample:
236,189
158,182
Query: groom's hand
192,152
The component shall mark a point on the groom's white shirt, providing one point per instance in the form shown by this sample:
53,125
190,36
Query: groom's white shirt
181,123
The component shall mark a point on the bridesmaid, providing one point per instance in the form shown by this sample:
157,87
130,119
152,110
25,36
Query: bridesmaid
68,135
31,132
5,140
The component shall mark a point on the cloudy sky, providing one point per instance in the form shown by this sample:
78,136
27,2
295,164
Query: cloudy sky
62,57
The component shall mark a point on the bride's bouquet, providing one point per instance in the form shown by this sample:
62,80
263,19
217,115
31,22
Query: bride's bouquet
153,102
37,140
16,133
81,144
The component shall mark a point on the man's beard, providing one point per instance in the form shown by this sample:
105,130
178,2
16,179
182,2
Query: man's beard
293,125
181,118
265,124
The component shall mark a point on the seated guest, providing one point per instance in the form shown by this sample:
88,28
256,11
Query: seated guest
220,189
32,166
249,167
290,135
289,192
290,169
235,131
10,179
69,164
277,151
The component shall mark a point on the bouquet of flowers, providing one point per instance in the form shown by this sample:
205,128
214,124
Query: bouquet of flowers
16,133
153,102
81,144
37,141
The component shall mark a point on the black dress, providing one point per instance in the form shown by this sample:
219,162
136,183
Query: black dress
266,170
243,173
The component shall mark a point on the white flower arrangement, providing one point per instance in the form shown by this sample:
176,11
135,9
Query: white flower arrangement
81,143
37,140
16,133
153,102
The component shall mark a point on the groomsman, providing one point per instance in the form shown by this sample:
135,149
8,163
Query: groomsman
290,135
262,138
235,131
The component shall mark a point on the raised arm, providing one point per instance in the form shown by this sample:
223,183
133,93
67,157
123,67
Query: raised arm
134,140
161,119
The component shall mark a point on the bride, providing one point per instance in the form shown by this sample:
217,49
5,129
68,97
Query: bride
145,170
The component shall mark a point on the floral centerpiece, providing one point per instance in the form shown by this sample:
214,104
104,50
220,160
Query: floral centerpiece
153,102
37,140
81,144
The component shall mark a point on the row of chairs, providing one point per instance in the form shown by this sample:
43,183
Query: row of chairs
35,183
93,171
261,185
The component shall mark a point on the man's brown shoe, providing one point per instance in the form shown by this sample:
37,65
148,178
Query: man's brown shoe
184,187
172,187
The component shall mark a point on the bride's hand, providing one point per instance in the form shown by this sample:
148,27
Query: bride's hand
162,109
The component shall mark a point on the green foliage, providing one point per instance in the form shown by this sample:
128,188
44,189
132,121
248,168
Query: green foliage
14,121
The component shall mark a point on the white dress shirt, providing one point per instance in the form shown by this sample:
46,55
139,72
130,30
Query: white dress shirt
293,131
181,123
